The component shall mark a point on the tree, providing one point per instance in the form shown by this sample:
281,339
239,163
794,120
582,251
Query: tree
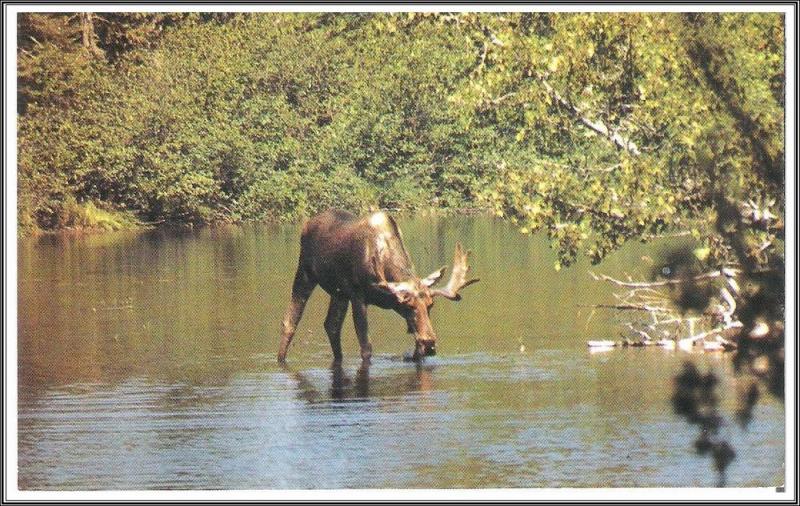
228,118
641,124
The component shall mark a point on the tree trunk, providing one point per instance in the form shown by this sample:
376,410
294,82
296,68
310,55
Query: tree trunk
88,36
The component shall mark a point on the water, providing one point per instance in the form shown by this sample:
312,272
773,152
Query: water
147,361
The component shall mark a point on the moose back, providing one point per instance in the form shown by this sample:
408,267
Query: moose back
361,262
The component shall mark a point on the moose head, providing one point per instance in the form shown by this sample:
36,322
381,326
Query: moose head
414,299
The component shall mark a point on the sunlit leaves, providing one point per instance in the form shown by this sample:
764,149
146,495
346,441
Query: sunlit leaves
633,74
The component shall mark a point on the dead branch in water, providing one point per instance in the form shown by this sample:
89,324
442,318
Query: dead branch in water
666,282
664,323
629,307
708,333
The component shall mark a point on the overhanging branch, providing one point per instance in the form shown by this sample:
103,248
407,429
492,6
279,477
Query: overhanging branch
596,126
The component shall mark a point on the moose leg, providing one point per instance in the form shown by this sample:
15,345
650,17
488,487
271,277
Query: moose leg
333,325
301,291
360,321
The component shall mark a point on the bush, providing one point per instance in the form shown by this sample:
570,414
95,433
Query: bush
250,117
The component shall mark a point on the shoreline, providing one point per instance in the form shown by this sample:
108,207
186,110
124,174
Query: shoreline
85,230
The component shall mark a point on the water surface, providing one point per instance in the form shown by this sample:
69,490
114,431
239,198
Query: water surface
147,361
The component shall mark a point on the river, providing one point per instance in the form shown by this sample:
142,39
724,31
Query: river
147,361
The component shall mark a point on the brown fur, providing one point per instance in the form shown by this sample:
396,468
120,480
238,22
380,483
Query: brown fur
361,261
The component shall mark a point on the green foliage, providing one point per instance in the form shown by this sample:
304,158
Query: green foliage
639,124
596,128
636,123
257,116
88,215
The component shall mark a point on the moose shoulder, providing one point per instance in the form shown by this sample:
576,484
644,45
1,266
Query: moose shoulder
362,261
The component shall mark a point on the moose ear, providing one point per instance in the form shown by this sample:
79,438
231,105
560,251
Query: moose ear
433,277
401,291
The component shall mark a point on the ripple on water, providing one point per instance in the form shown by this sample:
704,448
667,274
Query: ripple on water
171,381
472,420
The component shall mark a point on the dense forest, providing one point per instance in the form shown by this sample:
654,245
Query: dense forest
596,128
625,124
195,118
593,128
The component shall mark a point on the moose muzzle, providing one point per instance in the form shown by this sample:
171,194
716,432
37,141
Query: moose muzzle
426,348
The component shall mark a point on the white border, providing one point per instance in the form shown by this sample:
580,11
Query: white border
790,224
582,494
10,267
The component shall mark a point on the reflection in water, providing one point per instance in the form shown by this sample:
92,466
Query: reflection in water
359,387
340,383
147,361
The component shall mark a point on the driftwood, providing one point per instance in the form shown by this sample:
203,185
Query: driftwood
666,327
629,307
666,282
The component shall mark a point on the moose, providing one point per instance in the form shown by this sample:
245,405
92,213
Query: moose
362,261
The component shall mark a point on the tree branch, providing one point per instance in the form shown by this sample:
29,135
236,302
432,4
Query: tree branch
495,101
640,284
596,126
702,335
629,307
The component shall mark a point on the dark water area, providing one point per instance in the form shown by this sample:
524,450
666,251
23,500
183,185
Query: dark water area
147,361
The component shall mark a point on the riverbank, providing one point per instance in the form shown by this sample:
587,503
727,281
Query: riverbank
90,220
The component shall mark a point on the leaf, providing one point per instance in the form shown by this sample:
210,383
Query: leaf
702,253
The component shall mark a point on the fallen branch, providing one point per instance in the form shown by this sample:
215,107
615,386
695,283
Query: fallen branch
667,322
642,333
629,307
666,282
727,315
688,341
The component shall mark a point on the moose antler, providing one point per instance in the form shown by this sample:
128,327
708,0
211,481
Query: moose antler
457,277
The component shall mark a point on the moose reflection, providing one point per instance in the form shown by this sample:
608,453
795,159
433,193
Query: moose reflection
362,261
362,387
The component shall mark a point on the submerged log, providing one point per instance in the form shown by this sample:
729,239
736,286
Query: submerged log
601,344
624,343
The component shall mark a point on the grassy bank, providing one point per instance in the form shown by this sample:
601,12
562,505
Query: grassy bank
89,219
